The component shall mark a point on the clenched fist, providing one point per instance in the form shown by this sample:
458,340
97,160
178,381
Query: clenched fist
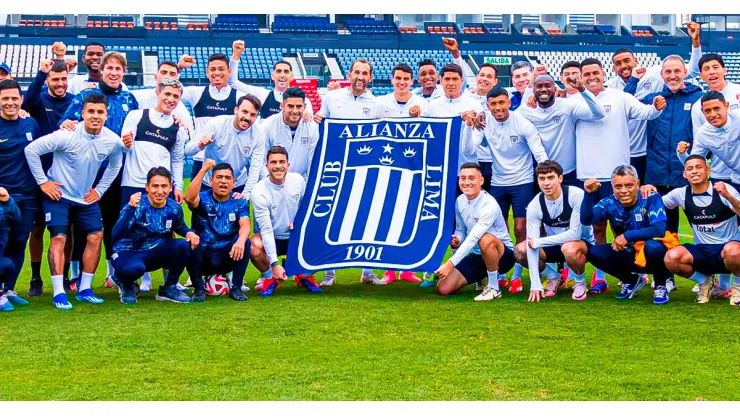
186,61
135,199
237,49
128,139
683,147
59,49
638,72
592,185
659,103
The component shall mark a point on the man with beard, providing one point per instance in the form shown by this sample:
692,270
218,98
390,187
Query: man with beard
282,75
358,103
430,88
512,141
604,143
213,100
154,138
92,57
15,176
276,200
712,212
236,140
46,101
148,97
222,223
288,129
640,82
69,194
120,102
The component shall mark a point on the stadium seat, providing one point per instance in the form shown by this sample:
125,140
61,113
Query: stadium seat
148,25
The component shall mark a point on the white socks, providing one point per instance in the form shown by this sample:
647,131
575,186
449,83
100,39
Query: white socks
85,281
58,283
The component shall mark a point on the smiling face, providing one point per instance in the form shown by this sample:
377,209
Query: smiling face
673,73
428,77
625,189
218,73
94,116
696,171
499,107
593,77
401,82
293,109
245,115
113,73
715,112
168,98
714,75
93,58
281,76
166,72
544,90
471,182
10,103
521,78
486,79
157,190
360,77
623,64
277,166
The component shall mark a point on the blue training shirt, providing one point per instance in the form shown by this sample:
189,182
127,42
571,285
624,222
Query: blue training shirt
643,221
216,223
145,227
15,135
118,107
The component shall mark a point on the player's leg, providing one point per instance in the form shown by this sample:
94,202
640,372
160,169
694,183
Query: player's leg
57,214
17,241
238,268
198,264
680,260
111,209
7,269
731,259
521,196
36,252
574,253
617,264
654,254
172,254
521,252
503,197
262,263
129,266
87,219
598,280
497,259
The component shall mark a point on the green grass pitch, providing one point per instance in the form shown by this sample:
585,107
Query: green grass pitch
360,342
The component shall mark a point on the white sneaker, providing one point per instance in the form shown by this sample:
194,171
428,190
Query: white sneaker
670,284
488,294
245,288
735,298
695,289
180,287
189,283
371,279
329,280
146,286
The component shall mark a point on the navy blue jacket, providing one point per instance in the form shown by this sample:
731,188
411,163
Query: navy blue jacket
47,110
15,135
665,132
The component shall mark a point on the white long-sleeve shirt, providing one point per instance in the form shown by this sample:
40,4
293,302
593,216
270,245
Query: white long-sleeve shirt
77,158
721,233
723,141
603,144
392,108
244,150
192,95
342,103
446,107
556,236
147,98
474,218
144,155
257,91
275,207
82,82
300,143
651,82
557,125
511,144
732,95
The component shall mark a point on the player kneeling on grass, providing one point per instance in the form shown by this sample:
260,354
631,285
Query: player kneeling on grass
10,216
558,208
275,200
143,240
711,211
69,196
222,223
637,222
484,247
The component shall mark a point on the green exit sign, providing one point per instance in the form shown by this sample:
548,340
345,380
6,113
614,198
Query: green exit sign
497,60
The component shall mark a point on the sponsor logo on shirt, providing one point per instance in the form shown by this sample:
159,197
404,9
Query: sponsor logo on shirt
217,107
608,109
157,135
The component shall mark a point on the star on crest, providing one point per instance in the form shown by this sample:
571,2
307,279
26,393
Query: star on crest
387,148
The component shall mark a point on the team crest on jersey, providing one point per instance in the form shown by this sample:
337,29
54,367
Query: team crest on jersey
101,157
304,141
365,111
245,150
514,139
608,109
29,136
646,85
382,196
556,119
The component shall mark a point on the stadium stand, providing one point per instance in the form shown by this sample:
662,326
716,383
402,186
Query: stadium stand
445,28
371,26
236,23
42,20
303,24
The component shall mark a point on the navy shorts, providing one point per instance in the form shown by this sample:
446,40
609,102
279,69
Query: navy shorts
516,196
487,170
605,191
195,168
640,164
707,258
60,214
554,254
30,207
473,268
